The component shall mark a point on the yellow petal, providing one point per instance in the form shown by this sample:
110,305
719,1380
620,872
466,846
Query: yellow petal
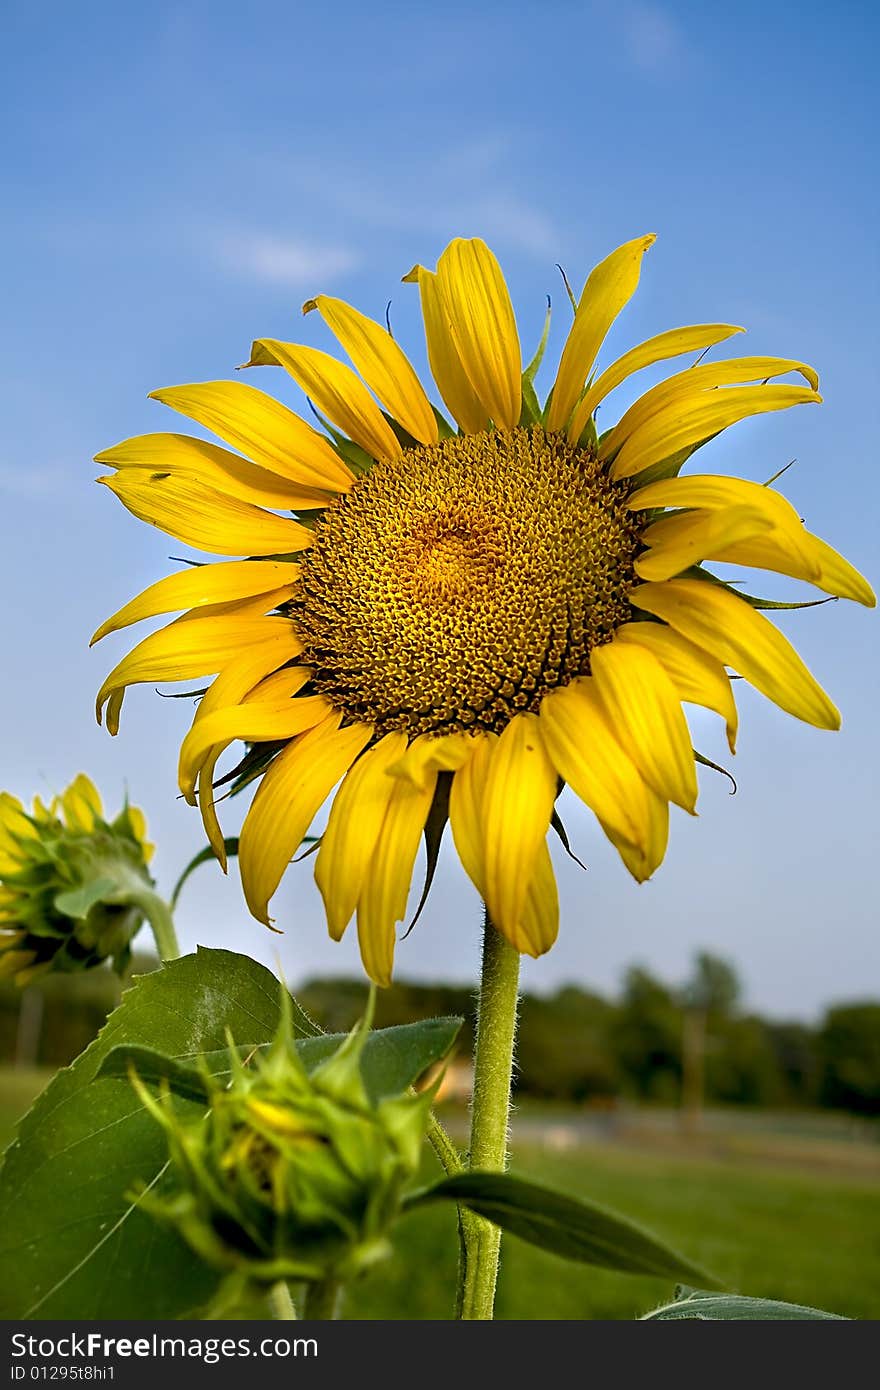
189,647
837,575
234,683
336,392
263,429
81,804
787,540
646,716
695,338
539,926
694,381
200,585
787,548
586,754
382,364
694,537
483,327
452,382
643,859
466,811
517,806
610,286
251,722
292,791
735,633
388,875
428,755
698,677
349,842
696,418
198,461
205,519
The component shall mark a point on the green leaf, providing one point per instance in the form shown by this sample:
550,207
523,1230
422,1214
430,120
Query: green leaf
71,1244
725,1307
203,856
564,1225
392,1059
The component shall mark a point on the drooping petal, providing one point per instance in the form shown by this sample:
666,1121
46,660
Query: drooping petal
204,518
466,811
383,365
382,903
645,713
696,536
189,647
483,327
263,429
609,287
349,842
200,585
674,343
234,683
588,756
429,754
517,806
250,722
698,677
741,637
196,460
292,791
690,421
643,859
336,391
452,382
694,381
539,925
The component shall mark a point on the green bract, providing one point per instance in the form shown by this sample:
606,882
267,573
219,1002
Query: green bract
72,884
291,1174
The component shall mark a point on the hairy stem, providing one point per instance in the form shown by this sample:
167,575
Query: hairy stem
490,1116
281,1303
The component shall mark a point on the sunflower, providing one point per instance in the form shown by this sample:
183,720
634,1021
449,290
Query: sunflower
457,620
72,883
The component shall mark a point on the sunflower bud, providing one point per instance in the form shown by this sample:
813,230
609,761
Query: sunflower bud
293,1174
70,883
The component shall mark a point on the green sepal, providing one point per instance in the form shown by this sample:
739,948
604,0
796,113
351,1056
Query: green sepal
716,767
78,902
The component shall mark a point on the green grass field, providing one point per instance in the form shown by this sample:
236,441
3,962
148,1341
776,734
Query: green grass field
799,1222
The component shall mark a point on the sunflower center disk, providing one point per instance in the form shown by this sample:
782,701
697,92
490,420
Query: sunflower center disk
454,587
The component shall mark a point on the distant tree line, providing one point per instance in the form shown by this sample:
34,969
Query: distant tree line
690,1044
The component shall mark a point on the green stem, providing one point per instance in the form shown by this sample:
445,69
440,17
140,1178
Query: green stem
158,914
321,1299
490,1116
281,1303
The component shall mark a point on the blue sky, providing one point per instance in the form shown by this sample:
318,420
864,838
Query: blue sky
183,175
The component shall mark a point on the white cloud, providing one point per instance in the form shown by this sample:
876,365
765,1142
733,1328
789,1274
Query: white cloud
284,260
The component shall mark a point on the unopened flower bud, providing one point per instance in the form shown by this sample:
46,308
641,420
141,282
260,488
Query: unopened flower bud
292,1174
